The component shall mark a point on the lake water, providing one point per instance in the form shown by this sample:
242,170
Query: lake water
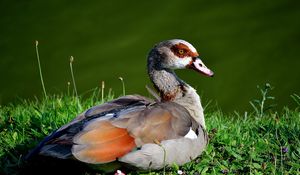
245,43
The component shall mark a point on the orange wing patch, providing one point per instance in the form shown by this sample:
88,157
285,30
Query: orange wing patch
102,143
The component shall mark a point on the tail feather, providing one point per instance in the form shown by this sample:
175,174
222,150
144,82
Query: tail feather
37,149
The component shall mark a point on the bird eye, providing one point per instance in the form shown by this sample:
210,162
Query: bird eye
181,51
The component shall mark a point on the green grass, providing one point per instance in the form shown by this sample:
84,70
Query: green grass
264,143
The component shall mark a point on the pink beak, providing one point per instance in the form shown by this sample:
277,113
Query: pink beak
199,66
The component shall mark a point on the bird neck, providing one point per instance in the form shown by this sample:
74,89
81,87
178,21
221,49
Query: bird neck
172,88
169,86
165,81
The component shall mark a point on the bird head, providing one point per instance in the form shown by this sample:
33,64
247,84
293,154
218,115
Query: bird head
177,54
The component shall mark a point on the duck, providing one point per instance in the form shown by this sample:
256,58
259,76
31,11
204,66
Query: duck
136,131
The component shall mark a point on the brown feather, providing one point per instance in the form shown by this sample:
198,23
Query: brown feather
160,121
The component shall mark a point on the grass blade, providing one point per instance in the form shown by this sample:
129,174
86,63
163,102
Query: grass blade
40,68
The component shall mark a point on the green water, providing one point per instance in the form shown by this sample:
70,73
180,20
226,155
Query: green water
245,43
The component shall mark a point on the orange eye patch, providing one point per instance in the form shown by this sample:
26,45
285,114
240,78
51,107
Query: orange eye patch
181,50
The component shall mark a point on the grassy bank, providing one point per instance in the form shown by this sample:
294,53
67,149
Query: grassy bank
249,143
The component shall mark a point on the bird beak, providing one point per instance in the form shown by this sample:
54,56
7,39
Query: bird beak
197,65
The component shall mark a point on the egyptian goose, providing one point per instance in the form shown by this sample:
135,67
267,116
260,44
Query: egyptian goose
136,131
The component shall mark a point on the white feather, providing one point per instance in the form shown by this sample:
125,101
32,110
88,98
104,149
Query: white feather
191,134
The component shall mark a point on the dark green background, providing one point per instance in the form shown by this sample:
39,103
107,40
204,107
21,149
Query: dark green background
246,43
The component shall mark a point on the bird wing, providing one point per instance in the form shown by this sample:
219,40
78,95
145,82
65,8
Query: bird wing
59,143
105,140
107,132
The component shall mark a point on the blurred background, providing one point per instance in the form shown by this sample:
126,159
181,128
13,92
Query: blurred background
245,43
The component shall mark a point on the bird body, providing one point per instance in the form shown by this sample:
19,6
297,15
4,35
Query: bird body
136,131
